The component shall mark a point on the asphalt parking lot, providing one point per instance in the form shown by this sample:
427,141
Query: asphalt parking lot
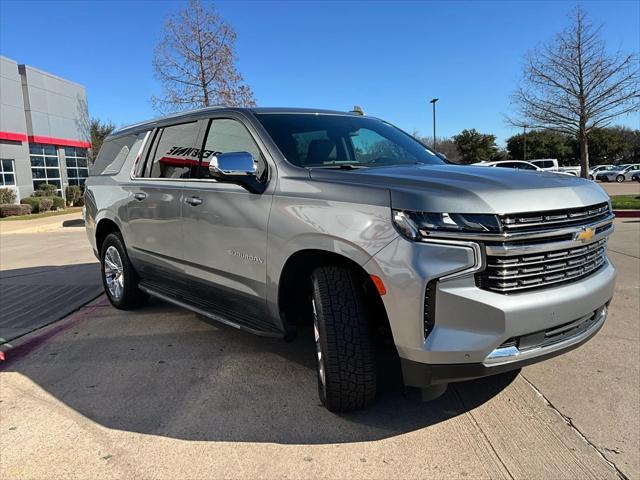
160,393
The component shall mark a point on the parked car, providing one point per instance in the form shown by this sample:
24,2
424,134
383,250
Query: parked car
619,174
274,221
548,164
516,165
571,170
599,168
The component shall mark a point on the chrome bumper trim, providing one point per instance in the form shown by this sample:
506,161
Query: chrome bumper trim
513,354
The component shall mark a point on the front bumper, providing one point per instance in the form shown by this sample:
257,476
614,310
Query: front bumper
471,324
418,374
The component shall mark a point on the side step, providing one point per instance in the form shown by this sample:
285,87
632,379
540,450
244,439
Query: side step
177,298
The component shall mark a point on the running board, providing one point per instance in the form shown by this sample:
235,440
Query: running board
205,313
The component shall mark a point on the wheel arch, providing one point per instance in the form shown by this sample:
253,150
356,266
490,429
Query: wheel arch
104,227
294,287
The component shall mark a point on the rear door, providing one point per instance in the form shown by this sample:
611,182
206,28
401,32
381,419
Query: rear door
154,205
225,231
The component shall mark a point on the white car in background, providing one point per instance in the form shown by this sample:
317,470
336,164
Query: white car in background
619,174
599,169
517,165
551,165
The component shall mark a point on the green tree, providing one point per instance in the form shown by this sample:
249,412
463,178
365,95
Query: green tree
474,146
541,144
98,131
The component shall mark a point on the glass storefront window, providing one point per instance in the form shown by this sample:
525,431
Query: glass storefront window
76,160
7,172
45,166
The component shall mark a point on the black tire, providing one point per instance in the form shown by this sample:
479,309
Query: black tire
620,178
340,316
131,297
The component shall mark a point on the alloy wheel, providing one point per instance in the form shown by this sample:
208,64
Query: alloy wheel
114,272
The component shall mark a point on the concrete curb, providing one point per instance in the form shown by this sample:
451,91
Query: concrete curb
627,213
18,348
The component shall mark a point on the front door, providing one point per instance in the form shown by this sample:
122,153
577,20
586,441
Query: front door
225,232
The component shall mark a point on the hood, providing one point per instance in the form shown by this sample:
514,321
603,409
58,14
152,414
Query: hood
469,189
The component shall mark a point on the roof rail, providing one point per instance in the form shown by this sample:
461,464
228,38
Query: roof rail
357,109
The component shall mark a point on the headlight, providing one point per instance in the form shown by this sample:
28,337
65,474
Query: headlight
417,225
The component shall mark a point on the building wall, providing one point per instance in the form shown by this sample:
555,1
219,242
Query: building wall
38,108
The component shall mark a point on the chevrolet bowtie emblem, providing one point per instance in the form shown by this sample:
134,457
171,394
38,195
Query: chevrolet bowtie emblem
585,234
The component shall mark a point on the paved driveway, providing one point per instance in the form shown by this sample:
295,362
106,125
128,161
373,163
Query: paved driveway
47,271
160,393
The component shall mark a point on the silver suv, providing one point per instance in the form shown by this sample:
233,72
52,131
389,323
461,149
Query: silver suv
270,220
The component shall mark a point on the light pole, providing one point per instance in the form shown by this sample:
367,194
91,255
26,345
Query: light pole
433,102
525,142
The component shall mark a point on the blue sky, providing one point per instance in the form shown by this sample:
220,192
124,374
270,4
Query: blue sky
388,57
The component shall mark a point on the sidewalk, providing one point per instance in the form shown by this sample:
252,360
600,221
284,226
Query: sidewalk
46,224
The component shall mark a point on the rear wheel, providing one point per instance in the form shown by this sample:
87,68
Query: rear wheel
344,351
620,178
118,276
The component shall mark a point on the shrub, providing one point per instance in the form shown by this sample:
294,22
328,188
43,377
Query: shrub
11,209
73,193
7,195
80,202
58,202
45,204
45,190
34,202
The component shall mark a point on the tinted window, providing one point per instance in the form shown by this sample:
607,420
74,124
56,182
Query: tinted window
112,155
175,151
309,140
230,136
544,163
525,166
506,165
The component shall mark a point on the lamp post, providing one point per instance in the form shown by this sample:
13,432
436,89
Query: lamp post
525,142
433,102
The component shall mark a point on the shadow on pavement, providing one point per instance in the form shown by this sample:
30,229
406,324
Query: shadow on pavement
34,297
162,371
76,222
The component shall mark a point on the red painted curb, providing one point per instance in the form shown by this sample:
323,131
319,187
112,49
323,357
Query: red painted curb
13,351
627,213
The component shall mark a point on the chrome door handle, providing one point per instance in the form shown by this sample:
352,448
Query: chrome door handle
194,201
140,196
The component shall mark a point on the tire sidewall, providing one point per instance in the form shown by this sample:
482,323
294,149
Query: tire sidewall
322,386
620,178
131,297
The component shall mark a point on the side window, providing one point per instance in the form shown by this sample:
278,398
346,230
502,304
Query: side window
175,152
228,136
506,165
112,155
524,166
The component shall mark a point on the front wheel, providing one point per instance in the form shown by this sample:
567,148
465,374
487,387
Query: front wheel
119,278
620,178
345,356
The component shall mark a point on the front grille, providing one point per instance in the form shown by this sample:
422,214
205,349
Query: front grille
537,221
526,272
540,249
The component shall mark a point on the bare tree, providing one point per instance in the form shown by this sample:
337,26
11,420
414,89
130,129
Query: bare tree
573,85
195,62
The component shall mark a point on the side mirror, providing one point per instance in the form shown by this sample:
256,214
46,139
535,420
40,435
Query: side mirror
238,168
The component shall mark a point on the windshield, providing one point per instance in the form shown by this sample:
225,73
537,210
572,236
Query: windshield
343,141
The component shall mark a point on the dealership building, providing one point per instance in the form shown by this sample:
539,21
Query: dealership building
44,129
